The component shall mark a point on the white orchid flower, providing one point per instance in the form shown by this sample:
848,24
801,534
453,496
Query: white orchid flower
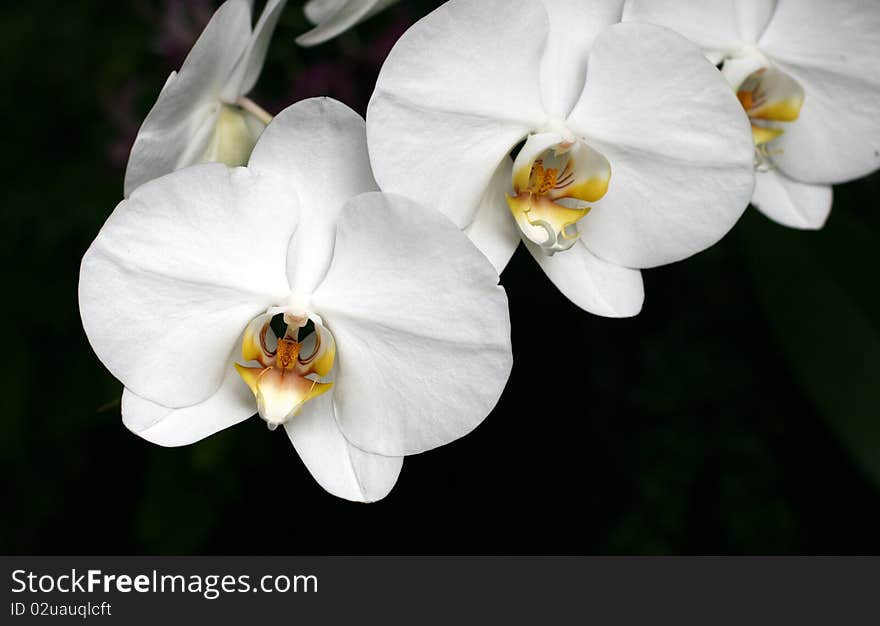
807,75
333,17
411,347
202,114
635,151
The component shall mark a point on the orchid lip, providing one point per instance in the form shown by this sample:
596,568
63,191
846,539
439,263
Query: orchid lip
771,99
288,372
556,177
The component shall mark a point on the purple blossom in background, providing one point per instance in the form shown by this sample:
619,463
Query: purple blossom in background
336,79
347,67
400,20
177,26
120,109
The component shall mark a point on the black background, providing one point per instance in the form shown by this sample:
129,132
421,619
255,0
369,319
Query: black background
736,414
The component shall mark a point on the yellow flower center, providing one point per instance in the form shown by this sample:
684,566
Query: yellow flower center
553,183
282,381
770,97
286,353
541,181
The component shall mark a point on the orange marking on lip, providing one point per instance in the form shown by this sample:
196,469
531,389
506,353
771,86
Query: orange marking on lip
287,353
746,99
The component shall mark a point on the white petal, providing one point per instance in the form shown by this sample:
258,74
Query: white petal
595,285
344,16
836,138
421,327
573,28
720,27
317,148
231,404
339,467
249,66
455,95
177,272
831,49
792,203
177,129
681,152
711,24
752,18
316,11
494,230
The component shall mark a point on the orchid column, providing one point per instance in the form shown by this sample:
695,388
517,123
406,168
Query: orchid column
630,149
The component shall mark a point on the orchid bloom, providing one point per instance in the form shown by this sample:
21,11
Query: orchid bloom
202,114
180,292
806,73
333,17
632,151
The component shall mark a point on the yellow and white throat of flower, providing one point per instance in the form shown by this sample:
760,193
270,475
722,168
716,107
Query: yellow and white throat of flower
770,97
555,178
236,129
283,372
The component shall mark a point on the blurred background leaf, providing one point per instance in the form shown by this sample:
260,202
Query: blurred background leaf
820,292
